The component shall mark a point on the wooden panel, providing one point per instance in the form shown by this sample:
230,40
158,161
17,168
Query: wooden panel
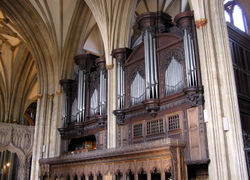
196,138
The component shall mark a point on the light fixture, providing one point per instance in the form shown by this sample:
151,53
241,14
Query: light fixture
8,164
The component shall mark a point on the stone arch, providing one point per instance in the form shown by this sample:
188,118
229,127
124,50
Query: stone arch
155,169
39,44
21,156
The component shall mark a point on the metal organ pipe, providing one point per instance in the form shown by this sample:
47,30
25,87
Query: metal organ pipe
64,109
152,83
118,86
186,49
146,52
155,67
100,89
81,96
190,59
102,98
193,62
150,65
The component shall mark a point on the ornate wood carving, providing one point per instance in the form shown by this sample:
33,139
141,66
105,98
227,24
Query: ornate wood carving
150,156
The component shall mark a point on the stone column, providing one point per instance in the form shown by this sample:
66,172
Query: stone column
21,172
148,175
225,145
111,106
55,139
136,176
163,175
39,135
48,126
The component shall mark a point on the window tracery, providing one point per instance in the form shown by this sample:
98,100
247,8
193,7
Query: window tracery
235,15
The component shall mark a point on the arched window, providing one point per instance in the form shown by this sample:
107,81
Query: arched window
235,15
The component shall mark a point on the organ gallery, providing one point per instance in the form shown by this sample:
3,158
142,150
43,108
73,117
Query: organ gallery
124,90
161,132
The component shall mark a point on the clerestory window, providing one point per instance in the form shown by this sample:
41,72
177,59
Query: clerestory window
235,15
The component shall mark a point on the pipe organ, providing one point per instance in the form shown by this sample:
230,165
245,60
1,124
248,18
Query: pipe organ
150,65
81,94
159,108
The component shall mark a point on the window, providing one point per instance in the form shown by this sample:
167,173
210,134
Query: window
138,130
155,126
174,122
235,15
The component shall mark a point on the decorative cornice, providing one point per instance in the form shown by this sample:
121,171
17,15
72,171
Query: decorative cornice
201,23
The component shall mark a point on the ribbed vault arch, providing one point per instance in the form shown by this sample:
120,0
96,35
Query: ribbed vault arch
37,38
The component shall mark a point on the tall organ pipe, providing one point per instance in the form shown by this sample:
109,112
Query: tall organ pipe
118,86
81,96
190,60
84,62
155,68
152,83
146,52
102,86
185,21
120,54
64,109
150,65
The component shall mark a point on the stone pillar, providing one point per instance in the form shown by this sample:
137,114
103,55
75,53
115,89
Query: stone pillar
225,145
162,175
111,105
21,172
148,175
124,176
55,139
48,126
136,176
39,135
